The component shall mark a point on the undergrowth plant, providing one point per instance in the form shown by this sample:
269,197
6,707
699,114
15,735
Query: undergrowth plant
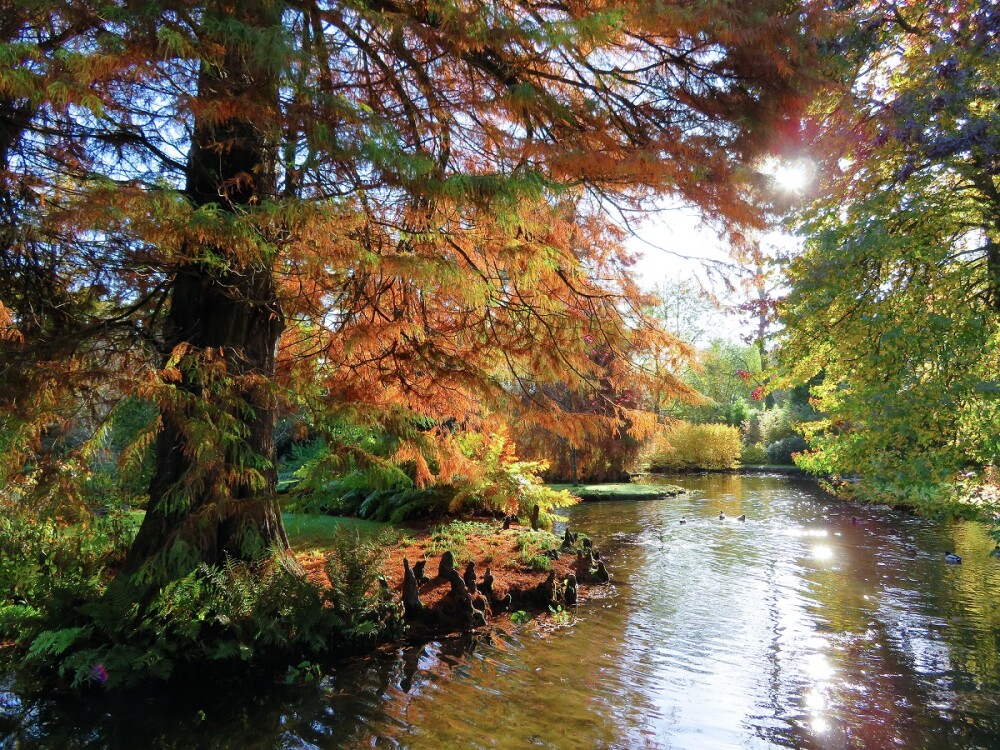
472,472
67,623
534,561
560,616
503,484
532,547
455,536
226,615
359,595
46,564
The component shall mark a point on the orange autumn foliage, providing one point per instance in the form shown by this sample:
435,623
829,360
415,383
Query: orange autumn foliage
381,211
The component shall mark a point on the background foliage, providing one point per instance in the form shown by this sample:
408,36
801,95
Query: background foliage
895,299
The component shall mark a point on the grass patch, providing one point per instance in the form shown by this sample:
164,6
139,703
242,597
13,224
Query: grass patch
622,491
307,531
534,561
537,541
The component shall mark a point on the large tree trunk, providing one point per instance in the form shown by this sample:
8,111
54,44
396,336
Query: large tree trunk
213,492
14,117
993,270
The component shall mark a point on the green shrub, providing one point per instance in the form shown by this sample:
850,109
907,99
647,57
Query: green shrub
489,479
778,423
231,614
684,446
782,451
67,621
737,412
753,455
397,505
532,546
45,563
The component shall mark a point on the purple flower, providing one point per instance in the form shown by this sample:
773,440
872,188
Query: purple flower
99,674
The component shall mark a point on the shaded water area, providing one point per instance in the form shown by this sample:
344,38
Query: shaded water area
798,628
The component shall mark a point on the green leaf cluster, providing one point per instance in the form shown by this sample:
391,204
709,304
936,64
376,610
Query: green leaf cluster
894,303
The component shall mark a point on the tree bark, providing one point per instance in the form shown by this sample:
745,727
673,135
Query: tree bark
984,182
212,495
993,271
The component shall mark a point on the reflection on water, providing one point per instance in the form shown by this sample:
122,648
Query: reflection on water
802,627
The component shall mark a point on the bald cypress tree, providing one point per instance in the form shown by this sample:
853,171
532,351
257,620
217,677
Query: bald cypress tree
377,208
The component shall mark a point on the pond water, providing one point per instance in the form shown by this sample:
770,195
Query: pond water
814,624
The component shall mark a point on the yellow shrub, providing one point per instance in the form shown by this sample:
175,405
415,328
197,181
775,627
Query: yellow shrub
694,446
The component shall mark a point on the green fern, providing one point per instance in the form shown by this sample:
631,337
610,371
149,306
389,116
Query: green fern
51,643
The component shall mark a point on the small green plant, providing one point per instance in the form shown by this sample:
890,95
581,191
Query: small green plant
559,615
235,612
534,560
46,564
520,617
359,596
537,541
56,605
535,547
304,672
455,536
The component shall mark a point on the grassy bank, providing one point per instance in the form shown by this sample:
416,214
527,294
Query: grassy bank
622,491
316,532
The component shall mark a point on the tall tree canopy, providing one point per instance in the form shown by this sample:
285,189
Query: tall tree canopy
374,208
896,297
